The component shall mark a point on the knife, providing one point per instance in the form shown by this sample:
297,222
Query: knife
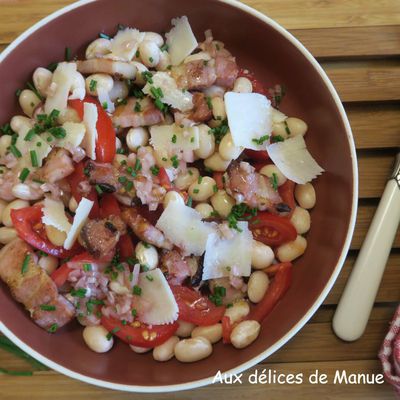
354,308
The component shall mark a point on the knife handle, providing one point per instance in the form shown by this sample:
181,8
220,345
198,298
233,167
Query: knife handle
354,308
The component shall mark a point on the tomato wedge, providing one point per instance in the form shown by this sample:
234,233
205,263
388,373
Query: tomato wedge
279,286
143,335
273,269
257,155
271,229
75,180
195,308
286,191
28,224
126,247
108,206
105,145
60,275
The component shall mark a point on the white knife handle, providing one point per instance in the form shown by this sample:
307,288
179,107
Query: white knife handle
358,298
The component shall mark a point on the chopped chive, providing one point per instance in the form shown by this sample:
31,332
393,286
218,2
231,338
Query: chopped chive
148,77
138,107
137,290
192,139
137,54
151,59
104,36
15,151
122,179
274,181
199,180
164,47
124,322
215,188
190,172
58,132
87,267
209,103
111,333
175,161
196,191
173,139
52,66
53,328
104,105
67,54
18,92
92,85
98,190
34,159
155,170
189,202
277,138
24,174
25,264
146,245
78,293
129,186
29,136
15,373
134,312
47,307
149,278
34,90
138,165
287,128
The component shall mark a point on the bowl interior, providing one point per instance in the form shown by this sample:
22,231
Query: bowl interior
260,48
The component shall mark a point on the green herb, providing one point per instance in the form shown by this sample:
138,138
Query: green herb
129,186
24,174
81,292
42,253
34,159
53,328
220,131
229,305
34,90
137,54
164,47
120,151
240,212
92,85
87,267
196,191
164,159
147,77
138,165
112,332
25,264
149,278
138,107
189,202
120,101
120,267
104,105
39,144
160,105
192,139
190,172
144,267
58,132
131,261
277,138
134,312
287,128
175,161
15,151
173,139
47,307
215,188
156,92
220,291
199,180
124,322
155,170
169,67
151,59
137,290
18,92
67,54
6,129
121,27
260,140
122,179
52,66
209,102
98,189
274,181
138,93
104,36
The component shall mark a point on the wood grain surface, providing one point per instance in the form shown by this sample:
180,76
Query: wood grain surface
358,44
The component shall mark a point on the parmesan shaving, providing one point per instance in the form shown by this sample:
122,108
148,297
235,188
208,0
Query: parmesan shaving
172,95
293,160
180,40
90,120
157,304
125,43
81,215
54,215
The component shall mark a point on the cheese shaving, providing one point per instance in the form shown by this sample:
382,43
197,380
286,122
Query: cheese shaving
54,215
125,43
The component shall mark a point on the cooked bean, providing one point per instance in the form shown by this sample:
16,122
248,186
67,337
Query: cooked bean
154,37
238,311
164,61
216,163
185,179
305,195
14,205
96,338
296,126
242,85
95,82
28,101
140,68
261,255
165,351
222,203
5,142
147,255
7,234
257,286
137,137
291,250
20,124
98,48
213,333
184,329
204,209
227,149
42,79
149,53
218,108
301,220
202,189
69,115
173,196
206,142
25,192
245,333
48,263
55,236
271,169
119,90
193,349
139,350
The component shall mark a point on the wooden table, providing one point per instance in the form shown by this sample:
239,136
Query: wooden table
358,45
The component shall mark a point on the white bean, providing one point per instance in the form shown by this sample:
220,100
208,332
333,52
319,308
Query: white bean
96,339
206,142
55,236
291,250
193,349
218,108
202,189
48,263
164,61
269,171
185,179
305,195
41,79
72,204
118,143
204,209
140,68
296,126
28,101
7,235
262,255
174,197
14,205
98,81
5,142
20,123
242,85
216,163
301,220
280,129
257,286
119,90
25,192
154,37
238,311
184,329
222,203
149,53
147,255
98,48
227,148
213,333
139,350
245,333
137,137
165,351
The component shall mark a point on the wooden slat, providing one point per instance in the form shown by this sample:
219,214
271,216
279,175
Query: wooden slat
389,290
370,41
364,217
377,80
375,125
49,385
